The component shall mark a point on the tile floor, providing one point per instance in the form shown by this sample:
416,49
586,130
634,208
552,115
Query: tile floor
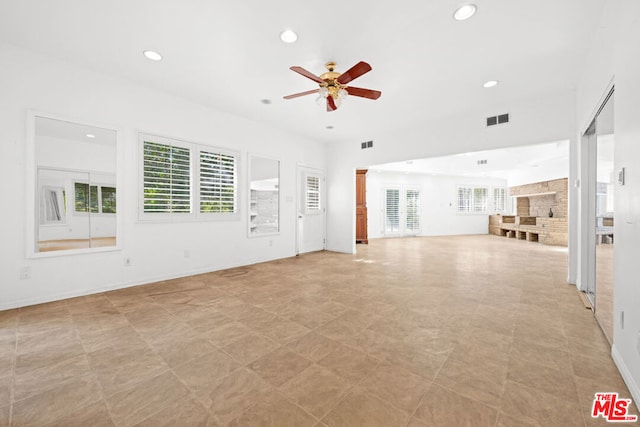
442,331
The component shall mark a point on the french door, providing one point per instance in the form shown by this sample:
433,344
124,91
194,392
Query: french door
401,214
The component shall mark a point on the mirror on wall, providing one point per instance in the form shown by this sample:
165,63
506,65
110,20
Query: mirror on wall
264,196
75,186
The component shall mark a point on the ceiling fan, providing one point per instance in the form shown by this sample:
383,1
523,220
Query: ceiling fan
333,85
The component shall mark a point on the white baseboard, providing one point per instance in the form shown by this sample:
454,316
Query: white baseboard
633,387
24,302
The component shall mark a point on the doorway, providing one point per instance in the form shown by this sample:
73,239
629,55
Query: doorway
401,212
310,210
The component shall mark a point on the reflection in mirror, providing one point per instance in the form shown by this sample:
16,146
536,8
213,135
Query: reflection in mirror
264,195
75,186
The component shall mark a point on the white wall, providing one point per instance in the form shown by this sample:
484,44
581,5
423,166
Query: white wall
438,202
615,56
32,81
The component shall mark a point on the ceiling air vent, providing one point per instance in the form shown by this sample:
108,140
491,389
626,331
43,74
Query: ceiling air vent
366,144
498,120
482,162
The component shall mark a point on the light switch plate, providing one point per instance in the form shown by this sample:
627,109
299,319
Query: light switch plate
621,176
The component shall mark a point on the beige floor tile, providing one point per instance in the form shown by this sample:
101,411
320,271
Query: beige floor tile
441,407
4,416
226,334
535,406
56,403
380,319
186,411
94,415
394,384
482,381
416,360
274,411
5,390
316,389
201,375
361,409
50,376
130,406
250,348
349,364
234,394
117,371
181,350
313,346
549,380
279,366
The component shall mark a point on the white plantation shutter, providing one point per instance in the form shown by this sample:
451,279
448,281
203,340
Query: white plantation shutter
218,173
166,178
480,198
392,211
464,199
412,201
312,194
499,199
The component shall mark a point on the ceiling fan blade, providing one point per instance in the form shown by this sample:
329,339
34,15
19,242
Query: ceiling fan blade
331,104
363,93
307,74
295,95
354,72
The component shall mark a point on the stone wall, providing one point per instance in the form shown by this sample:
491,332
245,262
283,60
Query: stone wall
532,208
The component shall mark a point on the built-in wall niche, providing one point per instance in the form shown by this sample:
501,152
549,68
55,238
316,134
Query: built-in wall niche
264,196
75,192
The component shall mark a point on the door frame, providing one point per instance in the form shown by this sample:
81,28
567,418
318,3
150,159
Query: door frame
299,199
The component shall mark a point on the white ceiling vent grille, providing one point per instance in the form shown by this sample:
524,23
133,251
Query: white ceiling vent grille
498,120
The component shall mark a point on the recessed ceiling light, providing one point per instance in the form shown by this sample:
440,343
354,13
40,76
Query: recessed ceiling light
265,101
288,36
464,12
89,135
490,83
152,55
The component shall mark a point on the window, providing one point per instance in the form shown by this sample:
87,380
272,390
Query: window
187,180
473,199
499,200
465,196
392,211
480,198
167,178
94,198
413,210
217,182
312,194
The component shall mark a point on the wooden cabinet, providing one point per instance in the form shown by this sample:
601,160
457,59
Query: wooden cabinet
361,206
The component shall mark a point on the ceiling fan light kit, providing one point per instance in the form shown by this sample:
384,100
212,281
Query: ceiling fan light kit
333,85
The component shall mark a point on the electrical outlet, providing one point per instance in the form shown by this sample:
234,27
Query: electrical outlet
187,253
270,242
127,262
25,273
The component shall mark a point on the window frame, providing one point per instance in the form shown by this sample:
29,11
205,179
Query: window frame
99,187
194,214
472,202
319,209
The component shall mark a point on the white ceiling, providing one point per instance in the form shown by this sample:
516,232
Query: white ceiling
507,163
228,55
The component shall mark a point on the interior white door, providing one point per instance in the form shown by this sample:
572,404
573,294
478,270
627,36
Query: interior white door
311,210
